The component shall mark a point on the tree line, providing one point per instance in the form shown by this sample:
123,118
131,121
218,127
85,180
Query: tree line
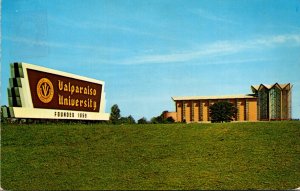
116,118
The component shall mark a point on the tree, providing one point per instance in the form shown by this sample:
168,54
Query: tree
143,120
115,114
3,111
222,112
161,119
156,120
169,120
127,120
131,120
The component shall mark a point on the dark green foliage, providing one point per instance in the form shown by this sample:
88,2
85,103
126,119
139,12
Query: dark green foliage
131,120
2,110
169,120
115,114
161,119
127,120
143,120
222,112
157,120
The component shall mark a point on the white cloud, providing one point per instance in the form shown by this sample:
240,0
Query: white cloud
39,42
207,15
106,26
95,24
216,49
276,40
204,52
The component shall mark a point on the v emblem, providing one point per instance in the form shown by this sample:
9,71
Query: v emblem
45,89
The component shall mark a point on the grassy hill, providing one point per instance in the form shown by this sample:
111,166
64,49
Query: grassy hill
262,155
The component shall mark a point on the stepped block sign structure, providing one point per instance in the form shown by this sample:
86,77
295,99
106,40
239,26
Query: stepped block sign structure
41,93
268,102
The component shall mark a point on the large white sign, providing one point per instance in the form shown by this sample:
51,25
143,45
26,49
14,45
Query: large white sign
39,92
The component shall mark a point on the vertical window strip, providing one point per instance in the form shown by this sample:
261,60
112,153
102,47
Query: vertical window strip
183,110
192,110
200,111
237,104
246,110
208,110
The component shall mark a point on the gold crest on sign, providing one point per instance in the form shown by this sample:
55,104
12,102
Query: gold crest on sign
45,90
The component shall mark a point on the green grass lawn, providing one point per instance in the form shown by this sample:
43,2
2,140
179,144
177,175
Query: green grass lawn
262,155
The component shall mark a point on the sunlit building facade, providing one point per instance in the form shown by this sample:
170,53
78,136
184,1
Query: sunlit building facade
274,101
268,102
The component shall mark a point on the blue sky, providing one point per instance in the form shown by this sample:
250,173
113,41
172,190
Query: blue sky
149,50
